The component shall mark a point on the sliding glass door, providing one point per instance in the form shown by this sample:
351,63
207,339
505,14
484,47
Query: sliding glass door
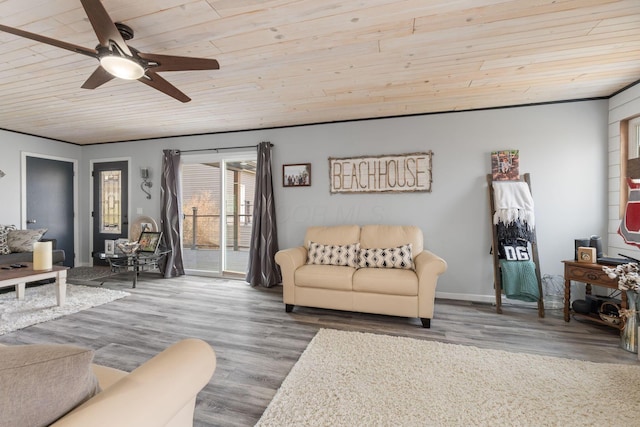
217,199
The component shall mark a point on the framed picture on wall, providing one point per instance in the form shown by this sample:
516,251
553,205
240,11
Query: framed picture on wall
298,175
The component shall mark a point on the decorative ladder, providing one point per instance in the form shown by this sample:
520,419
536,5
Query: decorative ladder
497,277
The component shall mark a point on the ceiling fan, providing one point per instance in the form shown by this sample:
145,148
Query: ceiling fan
122,61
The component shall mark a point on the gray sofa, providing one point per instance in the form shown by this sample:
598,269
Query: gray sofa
58,255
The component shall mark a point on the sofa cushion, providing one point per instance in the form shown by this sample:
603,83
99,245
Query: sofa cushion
23,240
334,235
400,257
44,382
386,281
324,277
4,236
58,257
390,236
344,255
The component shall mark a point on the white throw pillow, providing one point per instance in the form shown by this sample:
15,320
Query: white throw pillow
23,240
399,257
340,255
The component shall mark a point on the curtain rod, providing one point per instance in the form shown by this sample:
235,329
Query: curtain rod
222,148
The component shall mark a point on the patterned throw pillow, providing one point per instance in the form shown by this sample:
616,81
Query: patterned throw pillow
399,257
4,234
345,255
23,240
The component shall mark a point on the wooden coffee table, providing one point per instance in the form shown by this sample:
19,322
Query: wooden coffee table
19,277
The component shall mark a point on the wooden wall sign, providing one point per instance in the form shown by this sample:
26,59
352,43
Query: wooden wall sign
381,174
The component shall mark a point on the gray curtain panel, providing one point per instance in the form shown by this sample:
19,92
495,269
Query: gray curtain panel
263,270
171,213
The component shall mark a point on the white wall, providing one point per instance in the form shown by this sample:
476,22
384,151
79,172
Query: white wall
563,146
622,106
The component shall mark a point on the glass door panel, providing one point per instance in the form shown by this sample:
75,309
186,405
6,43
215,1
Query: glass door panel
110,218
217,195
239,190
201,209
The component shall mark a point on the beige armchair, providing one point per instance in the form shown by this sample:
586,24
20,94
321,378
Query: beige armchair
161,392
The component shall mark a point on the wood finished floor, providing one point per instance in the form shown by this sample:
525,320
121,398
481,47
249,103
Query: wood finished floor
257,343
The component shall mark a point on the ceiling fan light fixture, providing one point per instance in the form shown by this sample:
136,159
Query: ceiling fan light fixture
121,67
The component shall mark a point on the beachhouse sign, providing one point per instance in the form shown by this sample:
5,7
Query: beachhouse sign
381,174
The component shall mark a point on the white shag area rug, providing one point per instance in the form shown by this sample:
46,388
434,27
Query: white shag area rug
361,379
39,304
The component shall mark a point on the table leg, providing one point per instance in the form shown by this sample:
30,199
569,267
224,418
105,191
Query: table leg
136,271
20,291
61,287
567,298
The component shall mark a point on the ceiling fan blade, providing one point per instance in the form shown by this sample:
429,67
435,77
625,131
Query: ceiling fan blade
99,77
155,81
103,25
179,63
53,42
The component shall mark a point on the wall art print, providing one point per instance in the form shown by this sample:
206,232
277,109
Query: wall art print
505,165
396,173
298,175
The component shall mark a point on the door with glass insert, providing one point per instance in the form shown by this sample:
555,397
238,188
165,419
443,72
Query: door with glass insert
110,204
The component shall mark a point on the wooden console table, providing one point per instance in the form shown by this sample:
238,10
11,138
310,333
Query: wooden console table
589,274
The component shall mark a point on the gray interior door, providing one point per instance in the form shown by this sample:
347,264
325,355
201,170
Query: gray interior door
50,202
110,204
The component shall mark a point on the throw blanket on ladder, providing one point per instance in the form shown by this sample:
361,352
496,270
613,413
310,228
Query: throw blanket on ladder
513,218
519,280
513,202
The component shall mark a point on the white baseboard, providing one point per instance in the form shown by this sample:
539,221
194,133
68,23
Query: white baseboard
466,297
488,299
84,264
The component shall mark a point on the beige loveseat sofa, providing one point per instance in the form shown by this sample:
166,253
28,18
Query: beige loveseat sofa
405,289
49,378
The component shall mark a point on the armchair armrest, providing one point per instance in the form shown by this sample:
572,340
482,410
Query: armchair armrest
428,267
161,392
289,260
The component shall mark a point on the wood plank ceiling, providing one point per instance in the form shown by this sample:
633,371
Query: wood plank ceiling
287,62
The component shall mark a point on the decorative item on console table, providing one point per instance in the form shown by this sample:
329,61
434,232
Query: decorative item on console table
587,254
128,248
629,282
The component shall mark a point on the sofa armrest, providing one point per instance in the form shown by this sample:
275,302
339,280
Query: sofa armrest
289,260
428,267
161,392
